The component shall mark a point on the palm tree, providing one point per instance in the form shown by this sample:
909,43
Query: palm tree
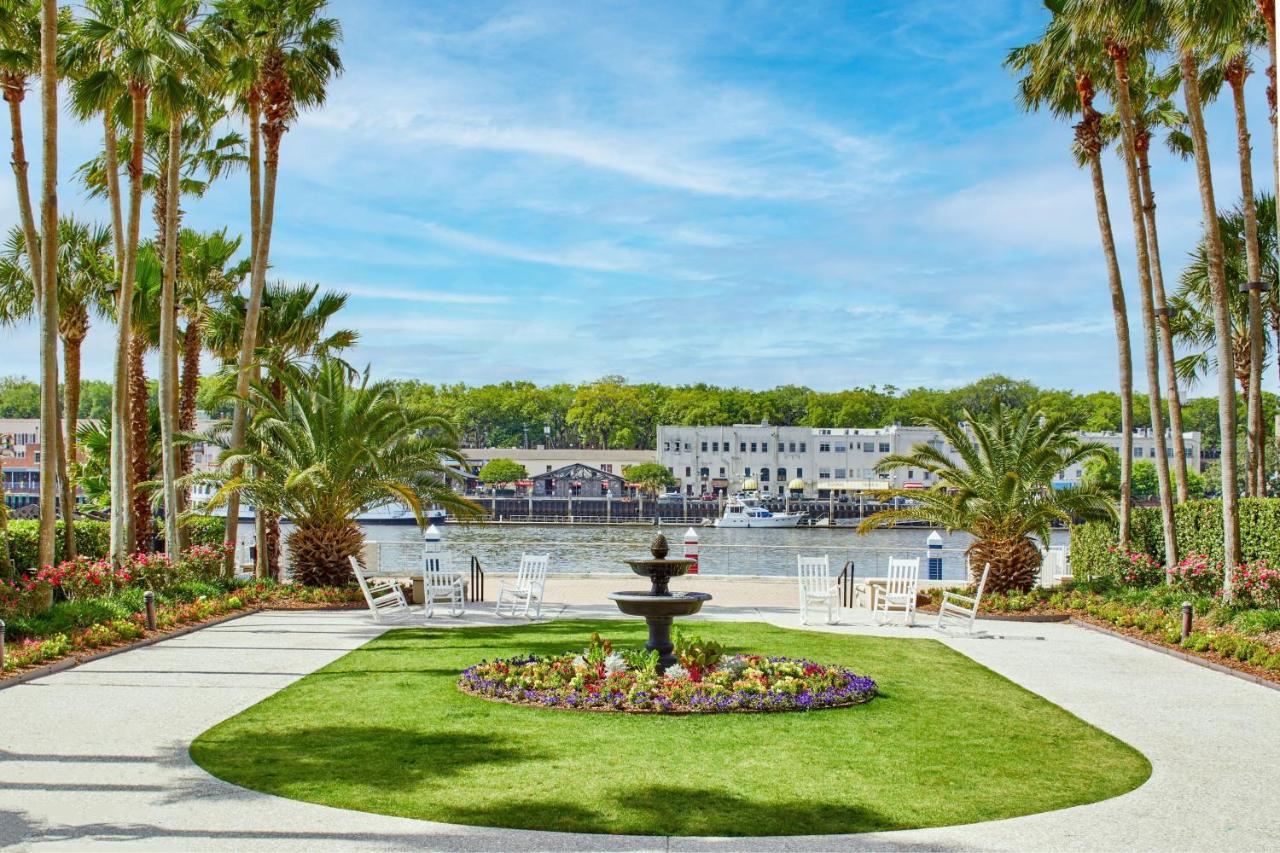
1059,73
328,450
282,54
1185,19
51,473
84,287
129,41
1001,491
1153,109
19,62
144,335
1125,29
292,334
1193,314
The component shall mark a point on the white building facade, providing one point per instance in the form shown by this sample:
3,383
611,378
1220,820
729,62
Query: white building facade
707,460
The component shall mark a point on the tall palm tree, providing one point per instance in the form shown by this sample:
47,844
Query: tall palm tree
1125,29
1153,109
283,54
1058,73
130,40
1185,19
1001,490
47,289
330,449
292,334
144,336
19,63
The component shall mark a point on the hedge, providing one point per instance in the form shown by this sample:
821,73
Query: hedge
1199,529
93,538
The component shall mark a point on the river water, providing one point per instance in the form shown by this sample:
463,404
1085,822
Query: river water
741,552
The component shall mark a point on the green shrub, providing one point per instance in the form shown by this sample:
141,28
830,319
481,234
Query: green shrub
206,530
93,540
66,616
1091,546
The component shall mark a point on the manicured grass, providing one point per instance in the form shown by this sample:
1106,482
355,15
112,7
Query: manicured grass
384,729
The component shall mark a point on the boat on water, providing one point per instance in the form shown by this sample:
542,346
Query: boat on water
392,513
746,511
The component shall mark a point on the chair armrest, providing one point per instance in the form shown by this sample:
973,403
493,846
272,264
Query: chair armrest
948,596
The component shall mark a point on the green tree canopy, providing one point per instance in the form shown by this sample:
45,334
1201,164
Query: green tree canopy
651,476
497,471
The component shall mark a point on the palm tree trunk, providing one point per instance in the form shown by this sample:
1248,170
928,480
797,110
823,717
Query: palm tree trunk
1120,58
48,281
139,444
122,393
191,347
70,414
168,396
261,254
15,89
1221,318
1162,327
1253,261
1124,355
6,561
112,163
255,300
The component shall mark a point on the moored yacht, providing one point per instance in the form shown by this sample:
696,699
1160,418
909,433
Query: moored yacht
745,511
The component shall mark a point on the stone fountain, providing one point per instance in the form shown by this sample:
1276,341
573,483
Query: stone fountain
659,605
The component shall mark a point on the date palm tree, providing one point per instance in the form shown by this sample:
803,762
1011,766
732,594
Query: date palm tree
19,64
1000,490
329,449
282,55
1058,74
1127,31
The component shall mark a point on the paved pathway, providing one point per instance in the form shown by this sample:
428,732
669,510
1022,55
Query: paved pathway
98,753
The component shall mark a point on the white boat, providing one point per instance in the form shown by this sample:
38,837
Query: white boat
746,511
391,513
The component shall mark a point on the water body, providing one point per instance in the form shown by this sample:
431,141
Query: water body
736,552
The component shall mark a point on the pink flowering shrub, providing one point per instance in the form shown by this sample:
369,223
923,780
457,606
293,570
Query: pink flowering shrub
1134,568
1256,584
1197,574
23,596
203,562
83,578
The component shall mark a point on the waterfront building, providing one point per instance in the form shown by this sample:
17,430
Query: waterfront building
822,462
578,480
541,460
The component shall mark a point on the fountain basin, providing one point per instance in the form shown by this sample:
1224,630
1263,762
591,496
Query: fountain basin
645,603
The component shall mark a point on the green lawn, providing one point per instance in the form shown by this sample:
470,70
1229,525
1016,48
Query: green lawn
384,729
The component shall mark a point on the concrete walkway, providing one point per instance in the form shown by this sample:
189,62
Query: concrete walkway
98,754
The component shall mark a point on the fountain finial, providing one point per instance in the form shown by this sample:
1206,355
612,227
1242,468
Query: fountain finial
658,547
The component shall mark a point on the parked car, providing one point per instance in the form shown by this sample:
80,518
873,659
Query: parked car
708,496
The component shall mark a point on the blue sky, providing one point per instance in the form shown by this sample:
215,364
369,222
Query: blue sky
831,194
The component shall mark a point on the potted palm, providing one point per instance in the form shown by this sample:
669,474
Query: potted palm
328,447
998,487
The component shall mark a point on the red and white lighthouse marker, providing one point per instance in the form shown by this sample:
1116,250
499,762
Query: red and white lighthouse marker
691,549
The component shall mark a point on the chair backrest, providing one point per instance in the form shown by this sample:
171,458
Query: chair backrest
435,569
982,584
904,575
814,573
533,570
364,585
371,554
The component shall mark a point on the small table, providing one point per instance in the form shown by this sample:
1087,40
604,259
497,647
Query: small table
417,579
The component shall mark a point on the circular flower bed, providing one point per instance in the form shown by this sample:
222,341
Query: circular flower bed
600,679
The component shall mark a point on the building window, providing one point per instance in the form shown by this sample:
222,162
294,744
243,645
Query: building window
753,447
824,447
802,447
688,472
1137,452
722,472
742,447
764,447
746,472
884,447
840,473
666,445
607,467
799,472
824,473
704,447
704,472
840,448
764,473
686,447
791,448
911,473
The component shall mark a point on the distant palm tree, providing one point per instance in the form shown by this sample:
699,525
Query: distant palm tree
328,450
1001,491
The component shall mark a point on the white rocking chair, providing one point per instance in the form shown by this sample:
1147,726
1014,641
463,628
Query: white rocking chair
962,608
441,586
526,591
899,592
816,586
381,594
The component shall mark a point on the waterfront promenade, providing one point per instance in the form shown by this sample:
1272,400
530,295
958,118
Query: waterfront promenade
118,773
